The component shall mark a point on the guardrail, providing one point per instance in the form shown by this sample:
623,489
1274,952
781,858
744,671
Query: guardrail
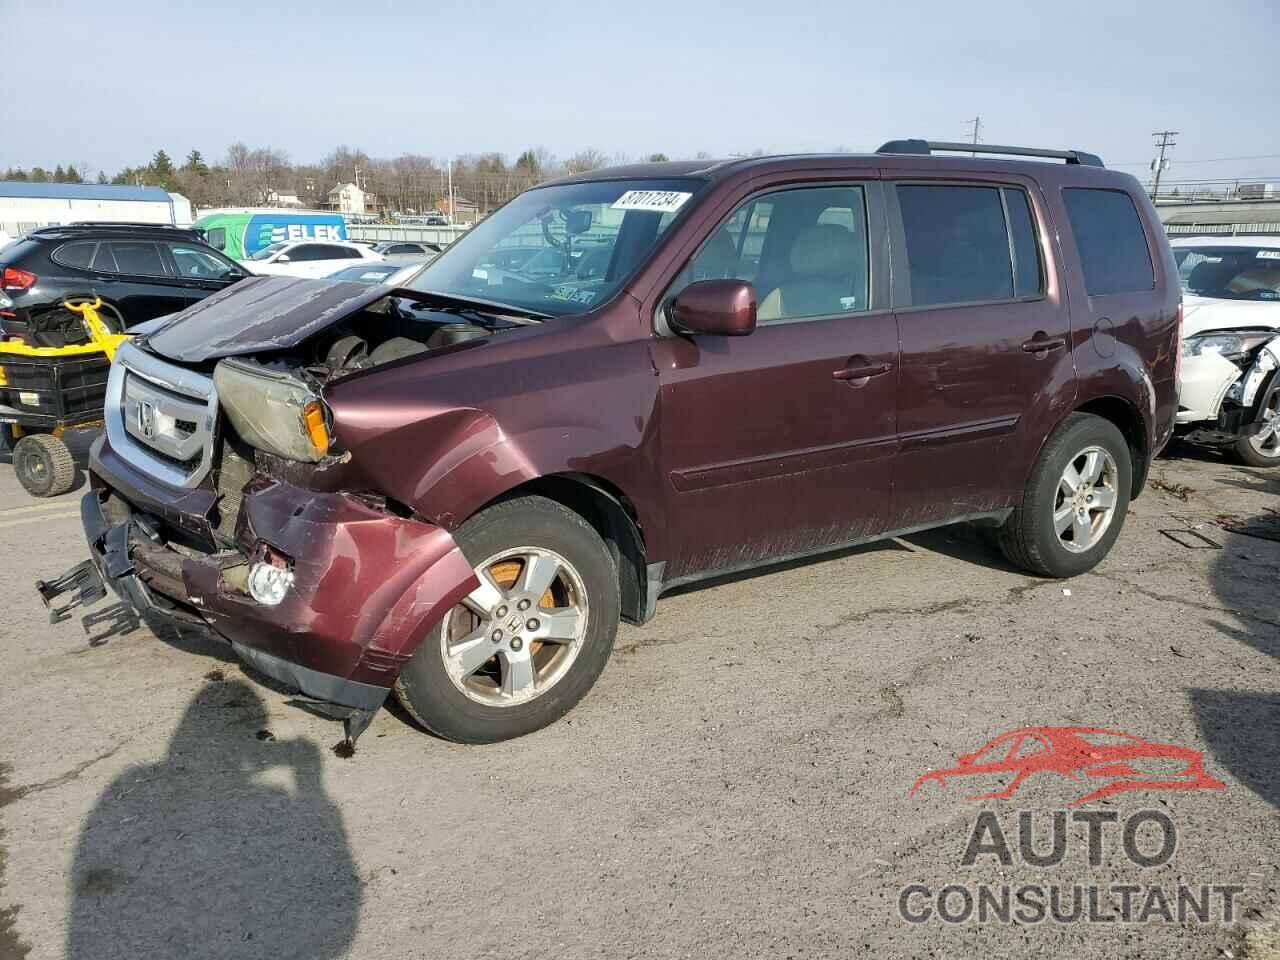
381,232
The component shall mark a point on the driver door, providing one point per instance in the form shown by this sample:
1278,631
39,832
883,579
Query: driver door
769,448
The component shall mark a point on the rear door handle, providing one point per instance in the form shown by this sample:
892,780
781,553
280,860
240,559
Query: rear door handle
1040,344
862,371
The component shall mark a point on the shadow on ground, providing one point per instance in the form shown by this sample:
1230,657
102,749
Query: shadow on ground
1242,727
228,846
78,442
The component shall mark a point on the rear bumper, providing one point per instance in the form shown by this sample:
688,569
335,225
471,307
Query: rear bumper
368,585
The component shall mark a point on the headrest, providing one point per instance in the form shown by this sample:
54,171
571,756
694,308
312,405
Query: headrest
826,249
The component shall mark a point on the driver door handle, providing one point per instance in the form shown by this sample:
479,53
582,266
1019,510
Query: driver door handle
861,370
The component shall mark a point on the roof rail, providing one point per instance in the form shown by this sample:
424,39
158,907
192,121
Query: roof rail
926,147
128,224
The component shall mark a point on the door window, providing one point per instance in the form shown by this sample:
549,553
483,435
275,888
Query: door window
958,248
1028,269
217,238
805,250
1110,240
138,257
199,264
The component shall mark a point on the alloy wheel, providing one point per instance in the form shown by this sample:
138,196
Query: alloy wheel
517,634
1086,499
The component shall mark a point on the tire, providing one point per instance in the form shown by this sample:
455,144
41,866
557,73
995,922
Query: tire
476,707
44,465
1030,538
1263,449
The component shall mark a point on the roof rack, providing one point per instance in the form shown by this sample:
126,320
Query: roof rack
111,224
926,147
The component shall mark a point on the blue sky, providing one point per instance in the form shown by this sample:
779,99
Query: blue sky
111,82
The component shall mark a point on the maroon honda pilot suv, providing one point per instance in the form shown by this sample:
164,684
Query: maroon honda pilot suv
623,381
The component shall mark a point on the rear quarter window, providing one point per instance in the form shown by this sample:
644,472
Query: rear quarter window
1110,241
78,254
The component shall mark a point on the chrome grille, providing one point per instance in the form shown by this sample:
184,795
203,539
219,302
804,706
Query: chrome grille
162,418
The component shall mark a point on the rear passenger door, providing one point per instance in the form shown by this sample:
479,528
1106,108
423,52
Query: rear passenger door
136,277
985,338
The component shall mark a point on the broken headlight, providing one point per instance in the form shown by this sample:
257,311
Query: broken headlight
273,410
1231,344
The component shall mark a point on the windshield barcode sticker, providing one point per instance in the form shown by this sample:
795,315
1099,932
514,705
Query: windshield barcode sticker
1268,255
658,201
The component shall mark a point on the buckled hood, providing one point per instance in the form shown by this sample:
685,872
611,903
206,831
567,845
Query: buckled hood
256,315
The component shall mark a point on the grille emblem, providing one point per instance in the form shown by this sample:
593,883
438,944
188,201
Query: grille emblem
147,418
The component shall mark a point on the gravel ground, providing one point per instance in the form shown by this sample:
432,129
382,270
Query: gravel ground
736,785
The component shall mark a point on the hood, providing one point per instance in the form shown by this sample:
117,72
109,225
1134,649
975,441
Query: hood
1208,313
258,314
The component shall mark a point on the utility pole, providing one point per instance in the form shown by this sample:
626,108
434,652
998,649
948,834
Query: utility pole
1164,140
977,125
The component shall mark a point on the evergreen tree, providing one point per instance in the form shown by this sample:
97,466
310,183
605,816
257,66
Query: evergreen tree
72,175
39,175
657,158
195,163
161,168
59,175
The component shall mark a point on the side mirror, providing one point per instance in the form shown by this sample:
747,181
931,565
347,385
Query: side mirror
283,258
723,308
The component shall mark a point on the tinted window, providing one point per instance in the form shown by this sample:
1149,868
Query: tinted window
76,254
1027,274
137,257
321,251
198,263
218,238
1110,240
957,245
805,250
405,248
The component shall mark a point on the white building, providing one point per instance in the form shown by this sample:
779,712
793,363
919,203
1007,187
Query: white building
25,205
347,198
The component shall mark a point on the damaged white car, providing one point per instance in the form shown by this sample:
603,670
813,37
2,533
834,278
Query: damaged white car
1229,391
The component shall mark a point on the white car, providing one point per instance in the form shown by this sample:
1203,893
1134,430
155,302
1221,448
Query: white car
1229,392
308,258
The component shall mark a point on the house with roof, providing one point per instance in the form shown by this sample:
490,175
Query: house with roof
347,198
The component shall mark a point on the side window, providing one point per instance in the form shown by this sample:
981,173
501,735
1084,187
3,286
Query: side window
1028,270
217,238
957,244
805,250
305,252
1110,240
139,257
78,255
198,263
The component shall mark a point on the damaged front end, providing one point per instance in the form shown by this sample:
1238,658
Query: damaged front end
224,495
1230,381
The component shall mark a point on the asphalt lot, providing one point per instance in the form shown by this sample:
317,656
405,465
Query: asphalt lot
736,785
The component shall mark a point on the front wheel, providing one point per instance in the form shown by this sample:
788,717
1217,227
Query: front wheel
529,642
1075,501
1263,448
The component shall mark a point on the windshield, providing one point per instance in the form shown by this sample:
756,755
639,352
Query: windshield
266,253
560,250
1230,273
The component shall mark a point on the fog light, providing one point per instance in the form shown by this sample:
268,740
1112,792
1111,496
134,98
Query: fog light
268,583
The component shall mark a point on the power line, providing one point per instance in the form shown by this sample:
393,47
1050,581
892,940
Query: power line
1143,163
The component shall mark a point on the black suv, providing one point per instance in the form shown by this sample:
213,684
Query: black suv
140,271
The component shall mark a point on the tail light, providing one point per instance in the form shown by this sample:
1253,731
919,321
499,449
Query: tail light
15,279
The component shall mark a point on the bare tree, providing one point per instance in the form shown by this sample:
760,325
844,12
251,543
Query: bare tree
585,160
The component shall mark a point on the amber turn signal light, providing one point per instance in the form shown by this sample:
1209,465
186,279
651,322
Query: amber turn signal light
317,430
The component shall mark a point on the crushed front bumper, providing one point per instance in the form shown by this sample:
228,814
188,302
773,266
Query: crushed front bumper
368,584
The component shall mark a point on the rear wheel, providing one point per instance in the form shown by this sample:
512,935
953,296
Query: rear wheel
529,642
1075,501
44,465
1263,448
